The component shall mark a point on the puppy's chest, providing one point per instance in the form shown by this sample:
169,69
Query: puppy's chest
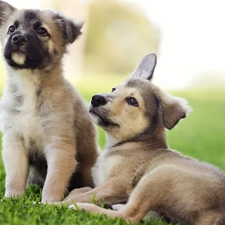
104,167
20,116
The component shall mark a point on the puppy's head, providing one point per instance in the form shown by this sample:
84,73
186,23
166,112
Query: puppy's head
35,39
137,107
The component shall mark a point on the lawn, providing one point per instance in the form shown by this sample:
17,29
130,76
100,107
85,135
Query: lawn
201,135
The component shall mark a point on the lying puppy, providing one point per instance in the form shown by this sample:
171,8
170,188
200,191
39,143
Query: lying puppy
47,131
137,165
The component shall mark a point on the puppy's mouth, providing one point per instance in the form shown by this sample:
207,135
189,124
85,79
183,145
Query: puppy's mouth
28,55
19,58
102,121
22,59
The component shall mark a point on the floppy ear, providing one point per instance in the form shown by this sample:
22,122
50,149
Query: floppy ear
145,67
5,11
70,29
173,108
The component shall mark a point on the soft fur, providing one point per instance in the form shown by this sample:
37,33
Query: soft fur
48,137
137,165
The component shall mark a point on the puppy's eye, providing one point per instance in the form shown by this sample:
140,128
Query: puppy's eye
11,29
42,31
113,89
132,101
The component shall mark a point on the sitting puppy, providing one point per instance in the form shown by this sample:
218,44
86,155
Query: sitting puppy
47,133
138,167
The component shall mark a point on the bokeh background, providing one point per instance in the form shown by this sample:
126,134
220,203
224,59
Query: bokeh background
187,35
189,38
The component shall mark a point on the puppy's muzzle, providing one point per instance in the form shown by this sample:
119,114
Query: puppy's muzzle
19,40
98,100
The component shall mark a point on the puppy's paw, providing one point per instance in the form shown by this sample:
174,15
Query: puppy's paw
78,206
73,206
77,192
92,208
117,207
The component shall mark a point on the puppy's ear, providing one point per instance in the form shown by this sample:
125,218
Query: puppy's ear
5,11
173,108
145,67
70,29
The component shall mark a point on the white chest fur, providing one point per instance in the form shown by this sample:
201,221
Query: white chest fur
98,171
105,166
18,108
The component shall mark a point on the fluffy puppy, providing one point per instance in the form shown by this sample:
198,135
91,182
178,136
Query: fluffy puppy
48,137
139,168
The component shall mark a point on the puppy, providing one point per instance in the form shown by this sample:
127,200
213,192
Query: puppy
138,167
48,136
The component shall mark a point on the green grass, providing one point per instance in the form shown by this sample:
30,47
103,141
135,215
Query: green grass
23,211
201,135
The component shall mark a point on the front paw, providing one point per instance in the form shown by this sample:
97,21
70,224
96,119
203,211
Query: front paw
77,192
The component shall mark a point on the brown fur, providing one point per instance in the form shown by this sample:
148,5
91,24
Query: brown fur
48,137
137,166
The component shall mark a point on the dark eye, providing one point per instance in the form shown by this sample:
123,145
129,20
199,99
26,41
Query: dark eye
132,101
113,89
12,29
42,31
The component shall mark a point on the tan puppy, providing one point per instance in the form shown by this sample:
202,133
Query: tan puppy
47,131
137,165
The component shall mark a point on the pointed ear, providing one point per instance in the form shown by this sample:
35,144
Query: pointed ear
71,30
173,108
145,67
5,11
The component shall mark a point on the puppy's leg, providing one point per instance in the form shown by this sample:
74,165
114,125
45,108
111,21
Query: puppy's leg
117,207
85,170
149,216
111,192
147,194
16,166
210,218
152,188
96,209
61,164
110,213
79,191
136,208
161,188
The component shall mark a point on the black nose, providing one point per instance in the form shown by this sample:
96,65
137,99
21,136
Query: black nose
98,100
19,39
